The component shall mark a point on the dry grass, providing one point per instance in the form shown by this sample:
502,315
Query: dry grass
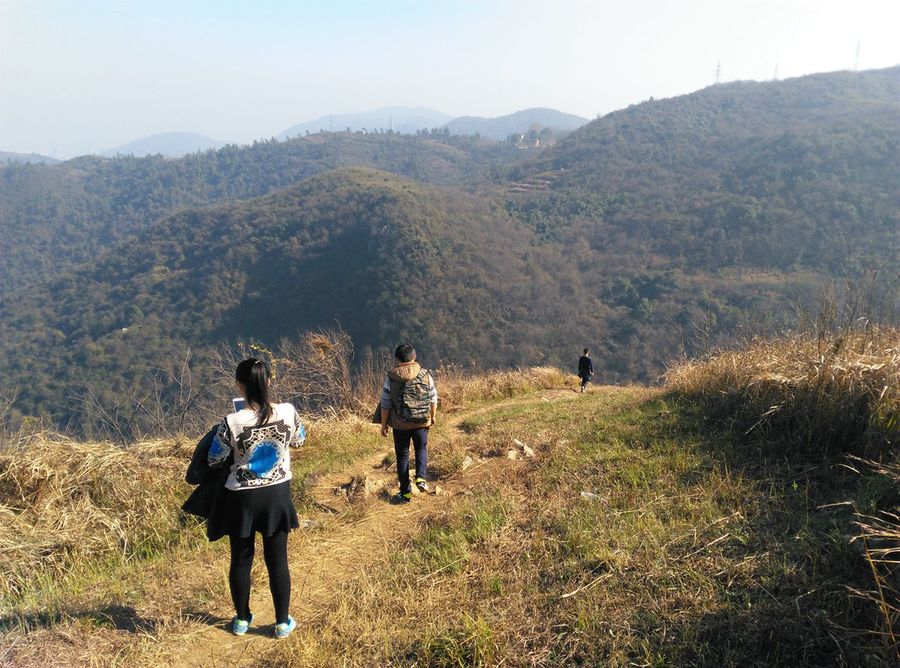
459,388
628,540
879,534
62,502
631,538
835,394
821,396
71,506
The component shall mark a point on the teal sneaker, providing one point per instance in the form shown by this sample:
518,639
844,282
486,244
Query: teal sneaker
422,486
239,626
284,630
401,497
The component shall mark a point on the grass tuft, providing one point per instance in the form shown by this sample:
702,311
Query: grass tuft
834,394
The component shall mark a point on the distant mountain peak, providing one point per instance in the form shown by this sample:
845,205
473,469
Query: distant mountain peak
11,157
517,122
169,144
405,120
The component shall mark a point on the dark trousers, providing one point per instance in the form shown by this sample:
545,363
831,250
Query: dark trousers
584,381
275,554
419,439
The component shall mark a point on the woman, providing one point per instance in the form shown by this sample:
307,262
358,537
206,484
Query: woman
257,496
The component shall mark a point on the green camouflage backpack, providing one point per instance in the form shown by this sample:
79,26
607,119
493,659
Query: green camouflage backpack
411,399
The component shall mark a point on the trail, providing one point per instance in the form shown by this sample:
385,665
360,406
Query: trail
321,560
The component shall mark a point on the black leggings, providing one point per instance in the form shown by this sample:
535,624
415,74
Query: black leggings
275,554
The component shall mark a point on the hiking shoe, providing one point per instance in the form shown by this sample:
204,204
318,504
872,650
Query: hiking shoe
239,626
284,630
402,497
421,485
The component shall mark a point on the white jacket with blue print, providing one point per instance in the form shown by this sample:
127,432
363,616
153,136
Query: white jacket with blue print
261,454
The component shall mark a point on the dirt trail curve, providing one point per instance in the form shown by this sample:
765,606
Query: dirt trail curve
318,561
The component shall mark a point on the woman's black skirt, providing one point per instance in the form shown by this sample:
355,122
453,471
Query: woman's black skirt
267,510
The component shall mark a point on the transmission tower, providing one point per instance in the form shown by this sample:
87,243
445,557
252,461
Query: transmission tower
719,71
856,57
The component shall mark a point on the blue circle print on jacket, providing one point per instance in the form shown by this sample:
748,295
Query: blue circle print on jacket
264,458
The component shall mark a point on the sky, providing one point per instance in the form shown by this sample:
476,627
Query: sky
82,76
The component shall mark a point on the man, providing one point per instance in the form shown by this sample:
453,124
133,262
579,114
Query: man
585,369
408,406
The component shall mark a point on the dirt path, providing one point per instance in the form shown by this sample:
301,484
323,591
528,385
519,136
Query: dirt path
321,559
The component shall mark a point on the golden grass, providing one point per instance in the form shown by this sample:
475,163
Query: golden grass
674,557
62,501
837,393
459,388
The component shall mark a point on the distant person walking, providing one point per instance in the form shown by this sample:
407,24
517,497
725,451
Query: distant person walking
585,369
408,406
257,496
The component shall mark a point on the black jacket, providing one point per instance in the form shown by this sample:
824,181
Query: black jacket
205,501
585,366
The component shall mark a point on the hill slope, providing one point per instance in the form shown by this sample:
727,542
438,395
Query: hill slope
633,528
788,185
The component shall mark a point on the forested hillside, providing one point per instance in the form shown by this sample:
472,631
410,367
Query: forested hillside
385,258
663,229
736,200
53,217
802,173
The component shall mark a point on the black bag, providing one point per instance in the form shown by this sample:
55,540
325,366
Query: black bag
198,470
205,500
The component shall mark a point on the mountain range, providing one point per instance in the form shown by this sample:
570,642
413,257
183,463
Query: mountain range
402,120
663,229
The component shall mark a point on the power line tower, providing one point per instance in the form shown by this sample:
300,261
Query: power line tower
719,72
856,57
775,74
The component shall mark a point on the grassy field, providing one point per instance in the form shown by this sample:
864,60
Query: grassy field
633,537
647,529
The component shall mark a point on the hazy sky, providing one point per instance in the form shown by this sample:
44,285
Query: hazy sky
80,76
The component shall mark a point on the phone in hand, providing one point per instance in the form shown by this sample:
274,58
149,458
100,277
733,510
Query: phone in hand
239,404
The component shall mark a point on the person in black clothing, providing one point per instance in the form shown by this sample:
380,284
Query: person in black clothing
585,369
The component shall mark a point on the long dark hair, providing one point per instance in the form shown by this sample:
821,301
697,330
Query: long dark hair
253,374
